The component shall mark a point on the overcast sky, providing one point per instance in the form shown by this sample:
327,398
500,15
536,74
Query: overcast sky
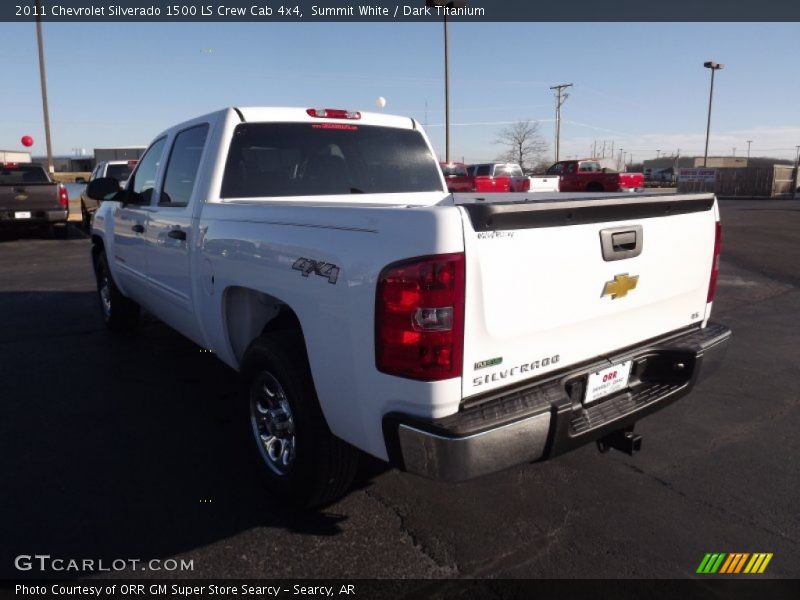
642,86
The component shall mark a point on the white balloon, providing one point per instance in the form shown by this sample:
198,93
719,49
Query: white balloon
381,101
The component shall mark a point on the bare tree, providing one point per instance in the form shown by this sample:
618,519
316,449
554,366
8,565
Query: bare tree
523,143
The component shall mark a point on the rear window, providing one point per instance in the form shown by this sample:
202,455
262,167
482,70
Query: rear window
118,172
318,159
507,171
22,174
454,170
592,167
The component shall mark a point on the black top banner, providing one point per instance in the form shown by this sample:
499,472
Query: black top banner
394,11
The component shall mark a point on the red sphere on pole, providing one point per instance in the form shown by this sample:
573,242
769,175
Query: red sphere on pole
27,141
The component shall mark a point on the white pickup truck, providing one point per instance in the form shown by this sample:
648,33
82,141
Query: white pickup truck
319,253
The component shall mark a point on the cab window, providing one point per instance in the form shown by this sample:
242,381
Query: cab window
182,166
144,178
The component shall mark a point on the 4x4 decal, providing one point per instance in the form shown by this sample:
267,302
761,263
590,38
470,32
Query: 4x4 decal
307,266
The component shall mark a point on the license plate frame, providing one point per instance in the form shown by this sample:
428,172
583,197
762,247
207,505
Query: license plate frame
605,382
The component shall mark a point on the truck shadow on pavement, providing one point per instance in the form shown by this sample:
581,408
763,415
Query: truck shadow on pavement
120,447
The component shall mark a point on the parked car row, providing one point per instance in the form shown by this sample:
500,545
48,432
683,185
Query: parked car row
485,177
584,175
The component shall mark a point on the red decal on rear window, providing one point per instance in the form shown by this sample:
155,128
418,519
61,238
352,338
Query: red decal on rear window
334,126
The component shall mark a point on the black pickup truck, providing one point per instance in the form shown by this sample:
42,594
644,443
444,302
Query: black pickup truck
28,197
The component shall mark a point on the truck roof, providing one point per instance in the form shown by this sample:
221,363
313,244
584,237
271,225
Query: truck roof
289,114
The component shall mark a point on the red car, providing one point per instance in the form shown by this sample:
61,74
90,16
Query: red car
455,174
588,176
498,177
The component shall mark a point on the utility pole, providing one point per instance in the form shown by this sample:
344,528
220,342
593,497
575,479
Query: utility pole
619,160
748,147
734,151
43,79
604,148
561,97
448,4
446,96
796,167
658,152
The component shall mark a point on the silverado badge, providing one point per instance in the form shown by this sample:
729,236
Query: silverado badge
620,286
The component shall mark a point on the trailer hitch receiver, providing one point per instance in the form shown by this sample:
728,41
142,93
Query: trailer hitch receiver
624,440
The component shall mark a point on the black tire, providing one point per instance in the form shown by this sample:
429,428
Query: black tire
86,218
322,466
61,231
120,314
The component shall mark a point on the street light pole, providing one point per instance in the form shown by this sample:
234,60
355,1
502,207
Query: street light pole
714,66
561,96
447,4
43,79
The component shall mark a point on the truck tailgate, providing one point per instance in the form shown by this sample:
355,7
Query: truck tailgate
29,197
555,282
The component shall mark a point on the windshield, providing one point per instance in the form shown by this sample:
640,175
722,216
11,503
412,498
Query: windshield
20,174
507,171
118,172
317,159
454,170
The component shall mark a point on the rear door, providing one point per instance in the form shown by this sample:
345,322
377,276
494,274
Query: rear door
556,283
170,233
130,224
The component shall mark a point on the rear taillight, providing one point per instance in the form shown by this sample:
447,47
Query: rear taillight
419,318
712,282
333,113
63,198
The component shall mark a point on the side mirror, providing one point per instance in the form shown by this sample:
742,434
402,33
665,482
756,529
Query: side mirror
103,188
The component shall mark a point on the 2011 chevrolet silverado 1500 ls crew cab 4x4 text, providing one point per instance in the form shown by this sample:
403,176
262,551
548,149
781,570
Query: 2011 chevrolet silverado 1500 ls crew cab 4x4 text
319,253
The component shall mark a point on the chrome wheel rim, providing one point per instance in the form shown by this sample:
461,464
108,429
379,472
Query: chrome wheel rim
105,295
273,423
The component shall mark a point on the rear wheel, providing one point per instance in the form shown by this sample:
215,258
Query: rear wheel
120,314
299,459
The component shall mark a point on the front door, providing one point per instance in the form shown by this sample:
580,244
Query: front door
131,222
170,234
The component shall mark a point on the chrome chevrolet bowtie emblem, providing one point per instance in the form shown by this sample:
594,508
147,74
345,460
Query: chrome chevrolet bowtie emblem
620,286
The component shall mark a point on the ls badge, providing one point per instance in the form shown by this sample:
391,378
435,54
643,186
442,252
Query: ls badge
620,286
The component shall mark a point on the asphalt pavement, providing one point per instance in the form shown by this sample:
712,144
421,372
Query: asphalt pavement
125,447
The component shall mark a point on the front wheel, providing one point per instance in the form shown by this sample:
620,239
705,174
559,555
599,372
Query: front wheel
299,459
86,218
120,314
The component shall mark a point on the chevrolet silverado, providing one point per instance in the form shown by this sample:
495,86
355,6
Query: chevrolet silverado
319,253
